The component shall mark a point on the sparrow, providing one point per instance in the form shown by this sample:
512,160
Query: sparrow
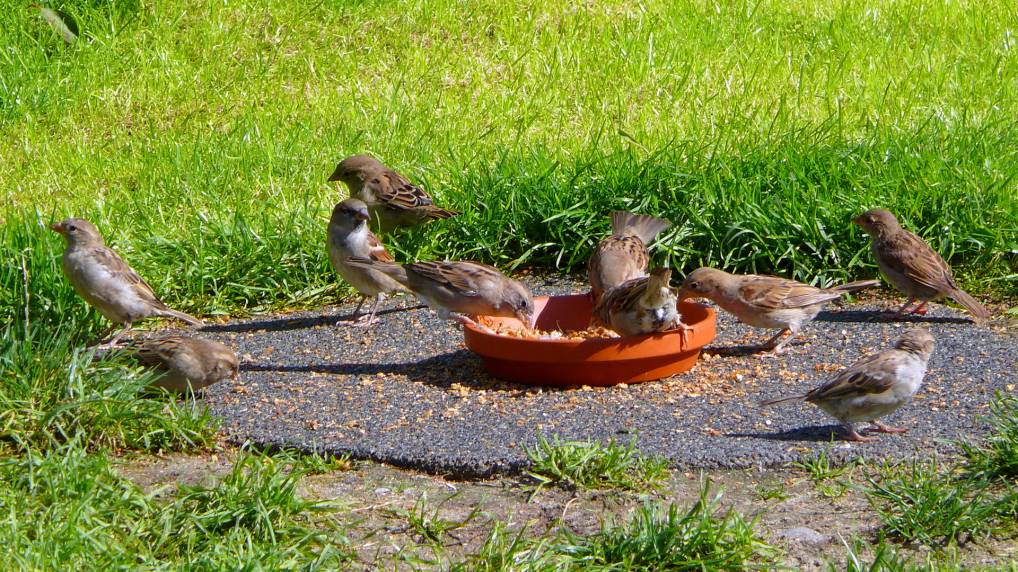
874,386
349,236
106,282
460,290
392,200
623,255
765,301
640,306
186,362
912,266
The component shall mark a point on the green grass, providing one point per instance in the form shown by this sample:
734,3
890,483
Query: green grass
997,455
593,465
657,537
198,135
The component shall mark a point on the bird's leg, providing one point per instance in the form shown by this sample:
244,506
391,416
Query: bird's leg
361,322
902,311
852,435
112,342
773,347
684,331
920,309
352,318
468,321
878,427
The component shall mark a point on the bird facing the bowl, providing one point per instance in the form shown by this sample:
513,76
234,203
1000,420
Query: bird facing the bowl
623,255
460,289
765,301
640,306
392,200
912,265
874,386
348,235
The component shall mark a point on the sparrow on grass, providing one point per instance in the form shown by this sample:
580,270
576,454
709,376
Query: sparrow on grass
106,282
185,362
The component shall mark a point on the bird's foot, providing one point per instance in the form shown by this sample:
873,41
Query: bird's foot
881,428
853,435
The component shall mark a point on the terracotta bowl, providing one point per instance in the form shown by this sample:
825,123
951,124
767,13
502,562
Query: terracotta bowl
607,361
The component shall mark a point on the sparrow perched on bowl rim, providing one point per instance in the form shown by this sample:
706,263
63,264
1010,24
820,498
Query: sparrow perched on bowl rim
641,306
623,255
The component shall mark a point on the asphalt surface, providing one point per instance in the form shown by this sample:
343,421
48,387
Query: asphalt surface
407,393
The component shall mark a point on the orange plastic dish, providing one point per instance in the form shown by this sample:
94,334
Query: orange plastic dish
603,361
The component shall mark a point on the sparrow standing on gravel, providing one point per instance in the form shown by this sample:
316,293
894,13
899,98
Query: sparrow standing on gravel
186,362
460,289
874,386
623,255
348,237
912,266
392,200
765,301
641,305
106,282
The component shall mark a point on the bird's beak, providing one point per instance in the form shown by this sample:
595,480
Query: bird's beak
363,215
335,175
236,374
528,319
57,227
857,221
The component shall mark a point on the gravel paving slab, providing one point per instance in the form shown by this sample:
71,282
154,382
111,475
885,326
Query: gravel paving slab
406,392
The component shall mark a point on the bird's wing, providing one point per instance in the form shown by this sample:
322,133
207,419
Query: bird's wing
466,278
121,271
919,261
870,375
396,191
774,293
377,251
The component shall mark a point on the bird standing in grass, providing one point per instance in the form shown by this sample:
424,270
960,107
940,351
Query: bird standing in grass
641,305
391,199
765,301
184,362
349,236
623,255
460,290
912,266
106,282
874,386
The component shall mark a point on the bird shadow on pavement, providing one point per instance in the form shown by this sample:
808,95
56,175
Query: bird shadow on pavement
284,323
459,367
864,316
813,433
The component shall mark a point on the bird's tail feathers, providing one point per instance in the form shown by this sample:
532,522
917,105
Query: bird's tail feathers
978,311
645,227
438,212
189,319
781,400
855,286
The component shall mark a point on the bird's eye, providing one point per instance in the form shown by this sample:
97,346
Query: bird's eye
72,228
694,285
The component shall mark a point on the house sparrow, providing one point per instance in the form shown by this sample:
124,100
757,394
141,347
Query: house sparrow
623,255
106,282
912,266
185,361
460,289
640,306
392,200
765,301
874,386
349,236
